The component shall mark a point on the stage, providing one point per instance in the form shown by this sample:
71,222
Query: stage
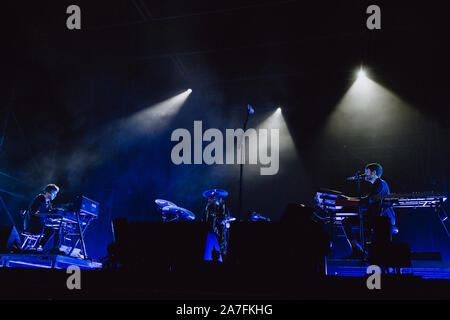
45,261
235,284
224,149
425,269
420,268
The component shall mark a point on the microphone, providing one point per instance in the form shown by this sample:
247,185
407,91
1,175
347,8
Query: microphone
250,109
358,176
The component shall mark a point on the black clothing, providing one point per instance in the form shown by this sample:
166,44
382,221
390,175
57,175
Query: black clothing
380,187
35,224
216,217
372,207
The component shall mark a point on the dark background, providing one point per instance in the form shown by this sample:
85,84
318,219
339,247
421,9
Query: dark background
65,95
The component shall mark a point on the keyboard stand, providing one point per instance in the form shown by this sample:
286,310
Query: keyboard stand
332,234
443,216
81,231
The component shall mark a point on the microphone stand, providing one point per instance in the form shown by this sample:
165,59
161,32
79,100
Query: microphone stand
361,222
241,166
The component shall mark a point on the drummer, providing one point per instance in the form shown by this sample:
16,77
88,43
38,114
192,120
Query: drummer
217,216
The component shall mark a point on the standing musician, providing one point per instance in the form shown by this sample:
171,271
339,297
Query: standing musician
35,223
216,216
373,172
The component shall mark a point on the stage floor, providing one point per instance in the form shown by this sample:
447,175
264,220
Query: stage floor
425,269
33,278
334,267
45,261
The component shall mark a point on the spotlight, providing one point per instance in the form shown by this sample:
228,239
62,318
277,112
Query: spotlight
278,109
361,74
189,90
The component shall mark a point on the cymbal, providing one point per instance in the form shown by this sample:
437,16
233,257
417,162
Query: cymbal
215,193
164,203
180,212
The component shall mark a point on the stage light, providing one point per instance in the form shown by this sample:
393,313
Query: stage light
276,121
154,117
365,108
362,74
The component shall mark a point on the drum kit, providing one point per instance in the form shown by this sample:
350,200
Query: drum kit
215,194
171,212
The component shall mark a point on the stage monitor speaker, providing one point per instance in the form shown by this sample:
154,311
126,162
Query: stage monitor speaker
255,244
390,254
295,244
9,238
381,230
160,245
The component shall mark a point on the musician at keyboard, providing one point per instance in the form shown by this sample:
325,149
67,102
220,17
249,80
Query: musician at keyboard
35,218
373,172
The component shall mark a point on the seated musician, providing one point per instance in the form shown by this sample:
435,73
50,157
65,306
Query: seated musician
373,172
34,222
